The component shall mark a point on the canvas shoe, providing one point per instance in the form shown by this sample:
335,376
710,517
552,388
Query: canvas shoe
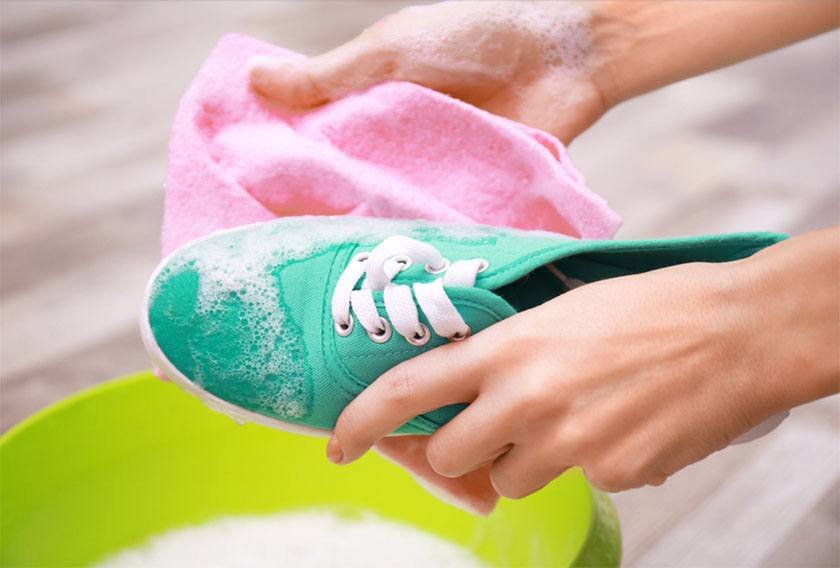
284,322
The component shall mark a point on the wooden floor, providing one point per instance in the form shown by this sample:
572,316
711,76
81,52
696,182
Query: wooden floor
88,93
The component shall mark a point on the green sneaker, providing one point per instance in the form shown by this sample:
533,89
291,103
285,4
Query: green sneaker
283,323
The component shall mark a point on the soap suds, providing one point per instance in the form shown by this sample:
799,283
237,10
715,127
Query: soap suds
262,363
237,279
495,44
297,540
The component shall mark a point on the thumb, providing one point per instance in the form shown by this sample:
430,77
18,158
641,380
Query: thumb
316,80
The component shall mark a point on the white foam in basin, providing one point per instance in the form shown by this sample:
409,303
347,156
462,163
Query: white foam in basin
300,540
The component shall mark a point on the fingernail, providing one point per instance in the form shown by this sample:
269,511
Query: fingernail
334,453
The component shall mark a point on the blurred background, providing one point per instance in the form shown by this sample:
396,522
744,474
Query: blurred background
88,93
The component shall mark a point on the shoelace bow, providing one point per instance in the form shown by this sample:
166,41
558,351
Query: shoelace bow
379,268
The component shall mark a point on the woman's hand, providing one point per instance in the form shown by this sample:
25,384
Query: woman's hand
531,62
631,378
557,66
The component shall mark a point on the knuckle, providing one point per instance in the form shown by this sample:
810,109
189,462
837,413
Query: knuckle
398,386
625,467
506,485
653,474
638,469
657,479
574,437
441,458
309,90
606,477
628,468
604,484
531,393
519,337
516,493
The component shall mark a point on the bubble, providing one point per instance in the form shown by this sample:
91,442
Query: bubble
491,39
255,344
305,538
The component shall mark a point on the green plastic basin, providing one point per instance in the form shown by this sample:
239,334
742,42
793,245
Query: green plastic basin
114,465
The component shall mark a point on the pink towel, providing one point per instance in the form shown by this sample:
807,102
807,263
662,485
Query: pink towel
393,150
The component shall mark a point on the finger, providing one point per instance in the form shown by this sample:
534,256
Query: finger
524,470
472,491
446,375
478,435
309,82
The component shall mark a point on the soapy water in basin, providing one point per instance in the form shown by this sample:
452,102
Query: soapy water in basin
297,540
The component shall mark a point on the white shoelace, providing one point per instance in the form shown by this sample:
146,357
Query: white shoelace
379,268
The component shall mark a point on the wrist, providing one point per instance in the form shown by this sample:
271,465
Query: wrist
788,304
614,34
642,45
631,47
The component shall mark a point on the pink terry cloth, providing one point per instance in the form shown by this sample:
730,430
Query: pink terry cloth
393,150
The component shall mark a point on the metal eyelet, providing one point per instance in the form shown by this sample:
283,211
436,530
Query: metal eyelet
460,336
383,334
485,264
403,260
421,338
438,270
343,328
361,257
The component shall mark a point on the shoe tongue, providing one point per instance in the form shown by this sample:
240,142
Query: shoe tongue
507,264
510,256
507,267
479,307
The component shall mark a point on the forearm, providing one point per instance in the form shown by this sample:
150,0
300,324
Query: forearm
646,44
790,295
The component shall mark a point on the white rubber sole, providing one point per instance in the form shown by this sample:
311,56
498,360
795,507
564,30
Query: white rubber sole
237,413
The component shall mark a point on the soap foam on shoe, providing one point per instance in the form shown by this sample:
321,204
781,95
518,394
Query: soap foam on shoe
236,281
301,540
235,284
